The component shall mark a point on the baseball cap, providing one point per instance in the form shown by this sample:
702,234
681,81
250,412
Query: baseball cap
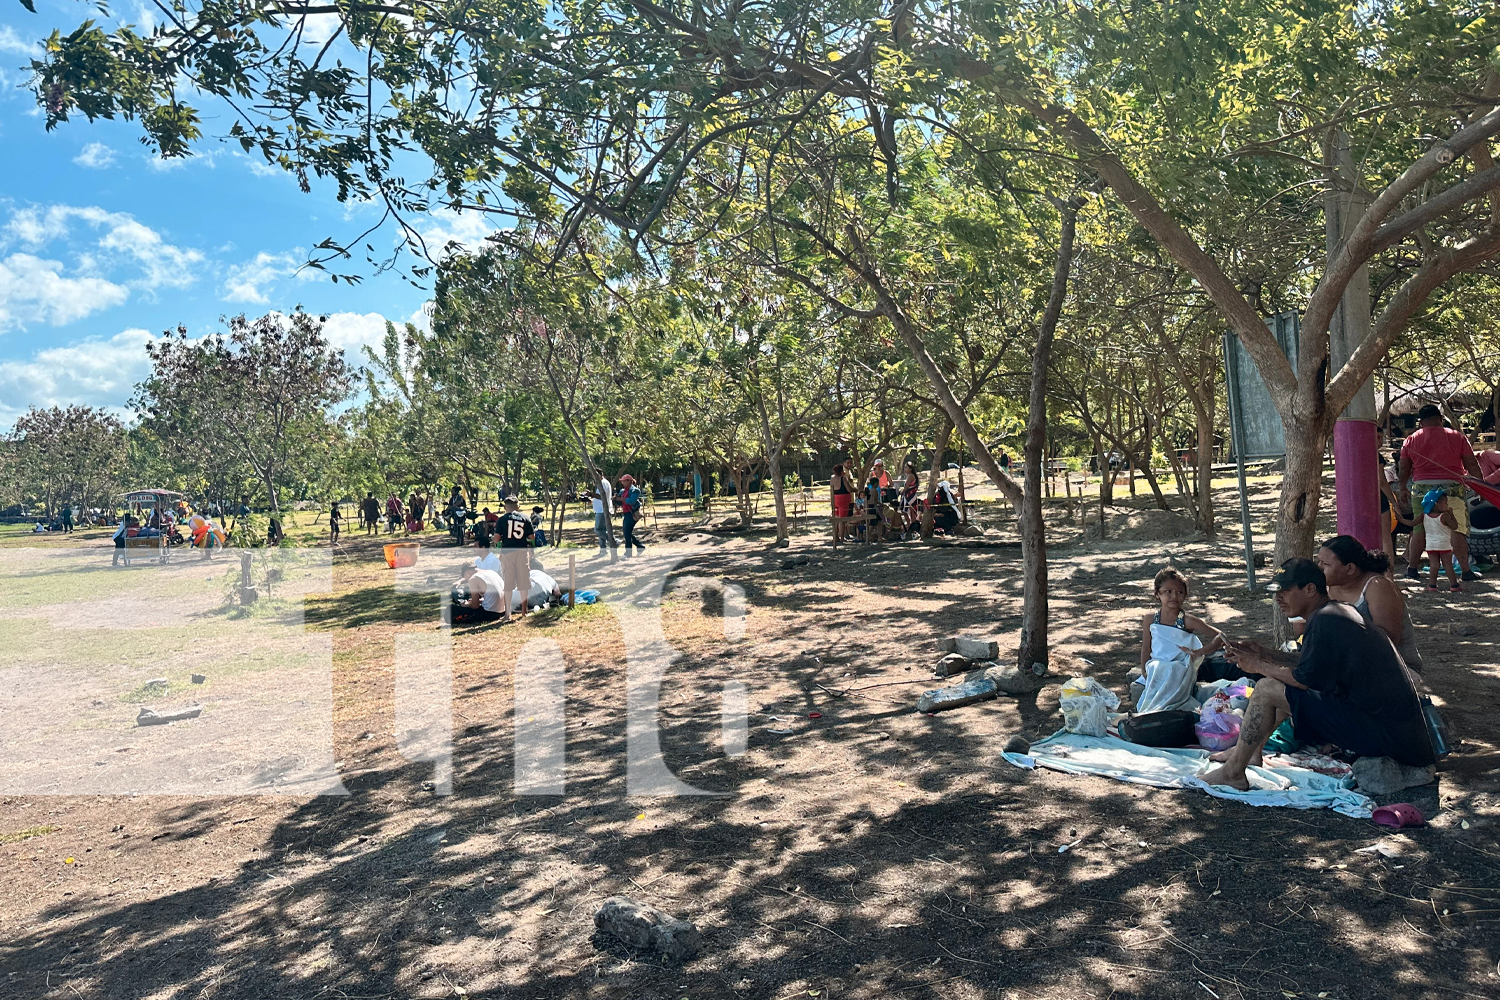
627,478
1430,501
1429,411
1297,573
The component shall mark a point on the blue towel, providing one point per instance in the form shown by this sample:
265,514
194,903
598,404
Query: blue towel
1109,757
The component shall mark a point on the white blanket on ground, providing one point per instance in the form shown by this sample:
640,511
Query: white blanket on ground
1110,757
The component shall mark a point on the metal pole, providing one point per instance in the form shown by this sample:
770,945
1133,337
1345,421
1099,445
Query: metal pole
1237,436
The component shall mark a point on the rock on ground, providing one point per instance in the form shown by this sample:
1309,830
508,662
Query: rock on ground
953,663
151,717
647,928
1382,775
976,649
967,693
1011,679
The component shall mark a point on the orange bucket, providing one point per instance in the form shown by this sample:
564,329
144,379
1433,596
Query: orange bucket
402,554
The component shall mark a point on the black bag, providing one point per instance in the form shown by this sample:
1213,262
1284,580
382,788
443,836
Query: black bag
1218,668
1160,729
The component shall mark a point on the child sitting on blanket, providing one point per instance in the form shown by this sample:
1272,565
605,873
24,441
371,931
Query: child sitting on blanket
1171,641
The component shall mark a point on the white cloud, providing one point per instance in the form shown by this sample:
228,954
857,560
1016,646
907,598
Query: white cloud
245,282
467,229
12,42
163,263
38,290
92,372
422,318
349,331
95,156
318,28
207,158
33,290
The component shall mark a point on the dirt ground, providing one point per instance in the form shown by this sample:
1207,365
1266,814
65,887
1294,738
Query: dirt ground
868,852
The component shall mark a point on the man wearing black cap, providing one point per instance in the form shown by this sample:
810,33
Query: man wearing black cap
1435,457
1348,685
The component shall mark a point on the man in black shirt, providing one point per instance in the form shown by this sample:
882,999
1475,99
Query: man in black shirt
1348,685
369,510
515,530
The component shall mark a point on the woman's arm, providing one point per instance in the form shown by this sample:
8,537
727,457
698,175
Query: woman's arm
1146,640
1387,607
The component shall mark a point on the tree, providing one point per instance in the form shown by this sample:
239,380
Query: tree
503,321
1246,124
65,456
640,115
261,392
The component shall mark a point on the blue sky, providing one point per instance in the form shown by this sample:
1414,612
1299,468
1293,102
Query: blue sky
102,246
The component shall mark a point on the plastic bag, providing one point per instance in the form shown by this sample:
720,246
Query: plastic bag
1218,727
1086,705
1171,672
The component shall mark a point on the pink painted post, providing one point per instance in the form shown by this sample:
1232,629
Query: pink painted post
1355,468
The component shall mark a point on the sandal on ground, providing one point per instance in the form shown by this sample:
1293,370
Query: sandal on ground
1397,816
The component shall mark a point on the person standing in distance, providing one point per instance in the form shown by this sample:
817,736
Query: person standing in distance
602,499
369,510
1435,457
630,506
515,555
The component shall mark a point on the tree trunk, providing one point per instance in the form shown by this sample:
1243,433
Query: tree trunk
1106,477
1133,459
778,491
560,512
270,478
934,473
1296,523
773,468
1179,472
1032,653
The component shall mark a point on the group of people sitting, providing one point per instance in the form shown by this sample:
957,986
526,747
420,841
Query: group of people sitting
203,532
1354,681
877,511
481,591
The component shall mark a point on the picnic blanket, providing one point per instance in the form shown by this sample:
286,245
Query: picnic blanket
1110,757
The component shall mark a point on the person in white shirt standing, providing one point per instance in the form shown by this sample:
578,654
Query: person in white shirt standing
603,499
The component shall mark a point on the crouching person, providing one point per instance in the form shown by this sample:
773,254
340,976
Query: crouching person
1347,686
479,596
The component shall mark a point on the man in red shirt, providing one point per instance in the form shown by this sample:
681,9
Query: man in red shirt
1435,457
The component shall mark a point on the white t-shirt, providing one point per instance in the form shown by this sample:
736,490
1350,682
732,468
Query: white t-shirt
538,594
608,495
490,561
493,588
